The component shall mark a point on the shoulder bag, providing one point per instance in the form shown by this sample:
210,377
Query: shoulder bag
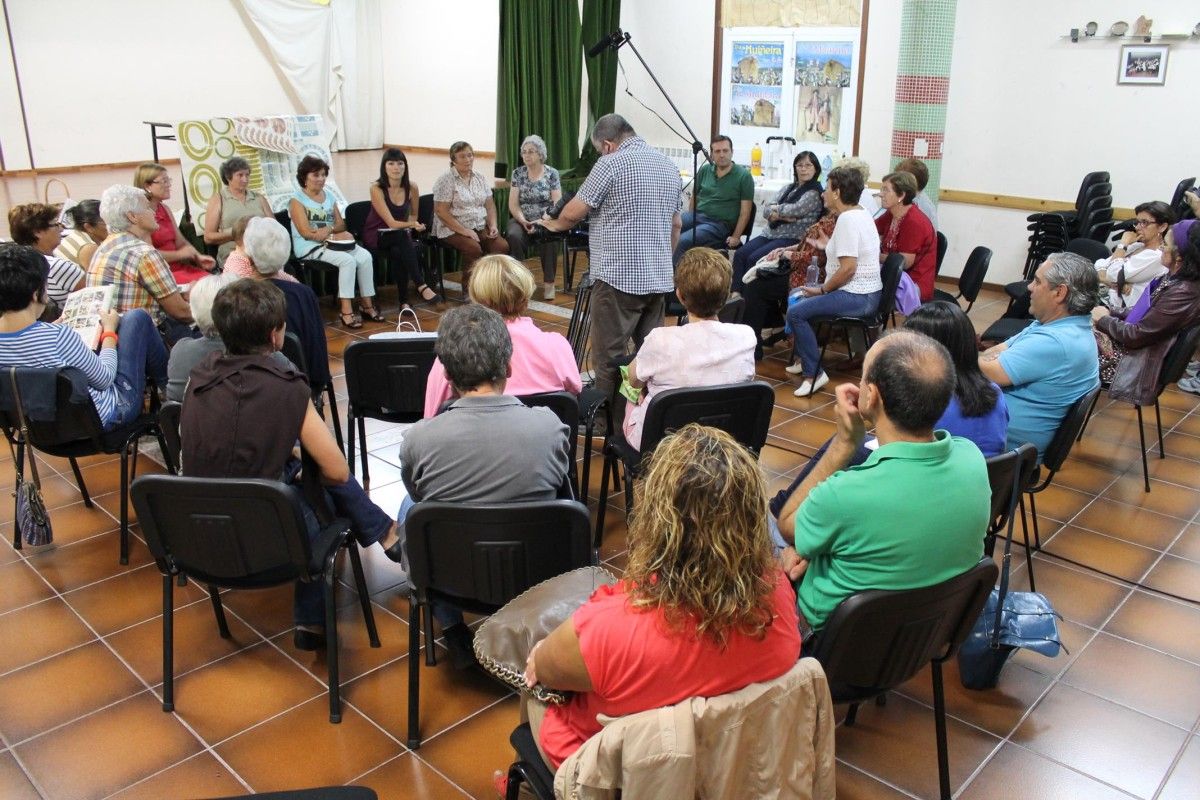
33,521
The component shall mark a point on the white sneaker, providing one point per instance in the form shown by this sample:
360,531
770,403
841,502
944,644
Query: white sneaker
1192,369
1189,385
794,369
810,386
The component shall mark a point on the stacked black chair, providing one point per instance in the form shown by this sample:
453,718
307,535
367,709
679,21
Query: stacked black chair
743,410
385,380
1017,317
75,432
1178,199
876,640
242,534
971,280
294,351
478,557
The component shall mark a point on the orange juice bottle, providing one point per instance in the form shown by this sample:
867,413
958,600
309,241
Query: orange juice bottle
756,160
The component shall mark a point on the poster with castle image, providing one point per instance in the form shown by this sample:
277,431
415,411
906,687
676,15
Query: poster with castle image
823,76
756,83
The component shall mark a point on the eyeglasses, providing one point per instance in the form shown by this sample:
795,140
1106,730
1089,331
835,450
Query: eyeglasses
1141,223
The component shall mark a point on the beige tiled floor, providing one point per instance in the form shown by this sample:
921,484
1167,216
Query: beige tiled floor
80,661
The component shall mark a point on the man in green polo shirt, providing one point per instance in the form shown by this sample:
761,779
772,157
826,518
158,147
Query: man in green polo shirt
914,513
721,202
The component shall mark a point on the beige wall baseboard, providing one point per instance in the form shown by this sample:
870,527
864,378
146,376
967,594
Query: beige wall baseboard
22,173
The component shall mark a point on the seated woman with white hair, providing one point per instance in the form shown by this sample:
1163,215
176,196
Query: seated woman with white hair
238,263
186,354
268,247
535,188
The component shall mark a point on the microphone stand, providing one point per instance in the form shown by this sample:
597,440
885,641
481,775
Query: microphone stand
697,147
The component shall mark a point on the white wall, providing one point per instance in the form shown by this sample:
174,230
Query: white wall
90,74
12,132
440,59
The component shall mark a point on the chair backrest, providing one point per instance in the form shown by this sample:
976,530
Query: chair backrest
733,311
386,378
743,410
1178,201
233,532
1089,180
1176,359
425,211
579,328
890,272
564,405
878,639
285,219
294,350
942,245
356,217
1000,475
73,421
1068,431
488,554
168,422
975,270
1088,248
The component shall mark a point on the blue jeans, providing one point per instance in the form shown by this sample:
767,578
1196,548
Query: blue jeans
749,254
141,354
710,232
839,303
368,524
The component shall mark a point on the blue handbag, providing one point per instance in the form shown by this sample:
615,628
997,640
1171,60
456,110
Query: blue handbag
1009,620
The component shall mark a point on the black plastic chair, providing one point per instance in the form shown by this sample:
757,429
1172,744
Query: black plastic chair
1053,459
385,380
876,640
168,424
942,245
356,221
1016,318
477,558
743,410
1000,476
872,324
429,244
1178,198
529,768
294,350
76,432
971,280
566,407
242,534
307,269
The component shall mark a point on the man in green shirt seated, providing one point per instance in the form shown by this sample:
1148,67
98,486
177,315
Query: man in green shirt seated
914,513
721,201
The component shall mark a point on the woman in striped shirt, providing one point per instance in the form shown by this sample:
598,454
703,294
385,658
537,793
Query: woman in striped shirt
130,346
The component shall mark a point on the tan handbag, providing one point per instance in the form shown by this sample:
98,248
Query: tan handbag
503,641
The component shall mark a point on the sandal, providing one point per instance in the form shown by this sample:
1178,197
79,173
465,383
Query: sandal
351,321
371,314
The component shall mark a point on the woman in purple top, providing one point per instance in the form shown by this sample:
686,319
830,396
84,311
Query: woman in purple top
392,221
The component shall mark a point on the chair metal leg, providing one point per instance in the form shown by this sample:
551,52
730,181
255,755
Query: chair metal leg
333,414
360,583
219,612
628,489
1088,418
331,641
430,650
516,776
414,672
1025,530
851,715
168,644
603,502
350,440
125,506
1162,452
362,456
20,477
1142,440
939,719
172,467
83,492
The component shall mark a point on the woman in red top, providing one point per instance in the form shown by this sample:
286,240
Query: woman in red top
906,230
704,608
187,265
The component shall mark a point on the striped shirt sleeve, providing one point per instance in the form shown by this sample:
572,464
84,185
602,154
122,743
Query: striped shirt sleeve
99,369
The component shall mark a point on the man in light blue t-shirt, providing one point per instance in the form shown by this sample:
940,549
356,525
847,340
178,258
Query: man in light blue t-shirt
1054,361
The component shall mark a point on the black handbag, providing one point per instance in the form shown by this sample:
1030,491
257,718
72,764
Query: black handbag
1009,620
33,521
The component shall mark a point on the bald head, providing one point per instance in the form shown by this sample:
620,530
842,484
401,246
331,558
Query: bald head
915,378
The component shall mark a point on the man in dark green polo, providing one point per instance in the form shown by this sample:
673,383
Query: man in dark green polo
721,202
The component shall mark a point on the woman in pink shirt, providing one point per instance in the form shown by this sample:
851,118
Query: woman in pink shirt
704,608
541,361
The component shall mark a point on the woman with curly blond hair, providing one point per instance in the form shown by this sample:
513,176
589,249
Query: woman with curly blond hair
703,610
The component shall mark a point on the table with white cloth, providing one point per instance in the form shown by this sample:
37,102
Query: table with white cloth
765,190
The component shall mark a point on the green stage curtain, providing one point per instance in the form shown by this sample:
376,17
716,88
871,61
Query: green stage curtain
600,18
540,79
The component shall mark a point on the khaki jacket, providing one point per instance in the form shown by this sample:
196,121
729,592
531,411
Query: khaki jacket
768,740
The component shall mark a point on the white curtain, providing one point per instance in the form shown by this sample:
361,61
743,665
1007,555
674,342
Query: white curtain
331,56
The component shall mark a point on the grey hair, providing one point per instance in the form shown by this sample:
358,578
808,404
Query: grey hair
474,346
267,244
204,291
538,143
231,166
611,128
118,202
1079,276
857,164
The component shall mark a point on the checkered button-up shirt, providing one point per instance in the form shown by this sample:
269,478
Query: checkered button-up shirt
139,272
635,194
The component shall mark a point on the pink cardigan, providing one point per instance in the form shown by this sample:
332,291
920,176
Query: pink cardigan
541,362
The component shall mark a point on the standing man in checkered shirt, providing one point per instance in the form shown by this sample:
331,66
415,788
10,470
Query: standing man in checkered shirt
633,194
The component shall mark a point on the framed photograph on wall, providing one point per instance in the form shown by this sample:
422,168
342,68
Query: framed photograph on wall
1143,64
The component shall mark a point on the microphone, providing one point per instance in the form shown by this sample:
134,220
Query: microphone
599,47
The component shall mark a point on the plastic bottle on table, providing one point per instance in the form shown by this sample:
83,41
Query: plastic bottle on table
756,160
